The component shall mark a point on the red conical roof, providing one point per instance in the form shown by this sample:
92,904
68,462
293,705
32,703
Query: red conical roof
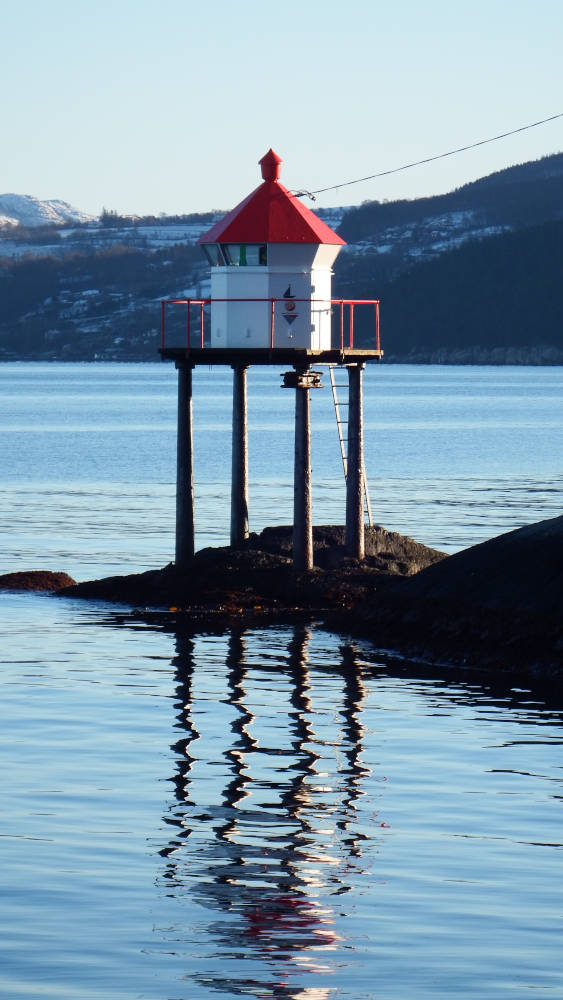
271,214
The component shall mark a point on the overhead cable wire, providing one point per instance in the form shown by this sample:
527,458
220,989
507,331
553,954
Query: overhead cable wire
428,159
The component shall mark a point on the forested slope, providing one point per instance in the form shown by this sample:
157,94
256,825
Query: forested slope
491,300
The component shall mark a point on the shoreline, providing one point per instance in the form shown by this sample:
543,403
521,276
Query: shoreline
496,606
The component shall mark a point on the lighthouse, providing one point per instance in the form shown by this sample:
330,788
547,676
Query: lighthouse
271,261
274,256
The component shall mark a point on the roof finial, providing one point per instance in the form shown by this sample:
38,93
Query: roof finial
271,166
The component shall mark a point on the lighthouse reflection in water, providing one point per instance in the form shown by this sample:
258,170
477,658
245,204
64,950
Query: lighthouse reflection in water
265,828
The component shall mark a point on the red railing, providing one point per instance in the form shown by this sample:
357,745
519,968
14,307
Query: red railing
201,304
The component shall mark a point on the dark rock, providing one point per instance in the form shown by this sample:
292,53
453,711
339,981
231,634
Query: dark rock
496,606
35,579
521,571
387,551
262,574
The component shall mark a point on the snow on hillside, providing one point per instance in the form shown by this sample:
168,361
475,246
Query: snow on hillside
69,239
428,236
25,210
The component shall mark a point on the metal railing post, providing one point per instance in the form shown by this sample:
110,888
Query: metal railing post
377,343
272,320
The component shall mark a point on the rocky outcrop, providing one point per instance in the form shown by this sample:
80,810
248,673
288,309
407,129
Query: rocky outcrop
387,552
261,575
36,579
520,571
497,605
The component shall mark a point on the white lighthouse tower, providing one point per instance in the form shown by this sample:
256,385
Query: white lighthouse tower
271,270
271,304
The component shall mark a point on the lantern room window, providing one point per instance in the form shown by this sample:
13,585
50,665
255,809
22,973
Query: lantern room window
214,254
245,254
256,255
234,253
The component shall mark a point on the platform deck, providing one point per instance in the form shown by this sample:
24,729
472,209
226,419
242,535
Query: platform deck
297,357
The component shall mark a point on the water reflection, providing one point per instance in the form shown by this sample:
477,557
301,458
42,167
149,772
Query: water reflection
184,668
265,829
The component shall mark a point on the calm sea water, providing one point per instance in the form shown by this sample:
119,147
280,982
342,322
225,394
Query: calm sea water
276,812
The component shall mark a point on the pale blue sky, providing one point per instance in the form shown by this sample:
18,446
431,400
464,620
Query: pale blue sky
167,107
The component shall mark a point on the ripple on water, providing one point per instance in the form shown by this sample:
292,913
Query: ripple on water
270,813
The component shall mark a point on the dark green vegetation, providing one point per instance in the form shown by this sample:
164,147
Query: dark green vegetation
494,300
519,196
110,219
472,276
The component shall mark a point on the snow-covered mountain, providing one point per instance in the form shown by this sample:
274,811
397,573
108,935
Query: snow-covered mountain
25,210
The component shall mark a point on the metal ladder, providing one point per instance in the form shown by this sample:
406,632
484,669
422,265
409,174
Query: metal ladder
343,437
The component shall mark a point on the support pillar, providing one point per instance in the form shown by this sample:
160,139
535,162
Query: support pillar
355,474
239,462
185,526
302,500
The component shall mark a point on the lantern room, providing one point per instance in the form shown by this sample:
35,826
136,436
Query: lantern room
271,263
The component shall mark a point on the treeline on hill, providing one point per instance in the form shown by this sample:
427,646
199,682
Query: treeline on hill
38,235
518,196
109,219
496,294
37,293
113,220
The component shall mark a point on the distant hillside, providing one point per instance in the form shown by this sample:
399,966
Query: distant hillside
518,196
396,236
471,276
104,304
489,301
